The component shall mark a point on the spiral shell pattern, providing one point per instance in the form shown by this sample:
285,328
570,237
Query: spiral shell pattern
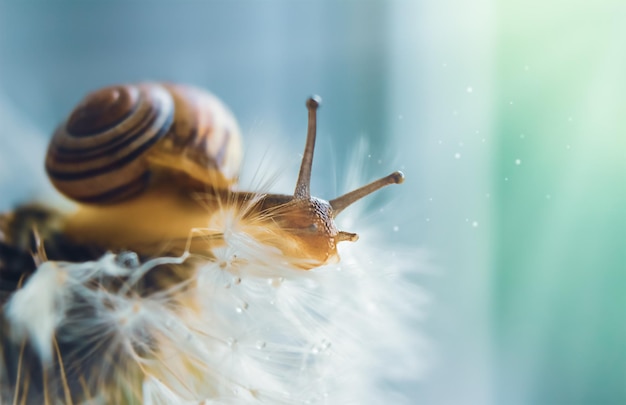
108,148
204,142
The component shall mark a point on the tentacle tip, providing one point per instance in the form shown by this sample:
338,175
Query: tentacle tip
313,102
397,177
347,236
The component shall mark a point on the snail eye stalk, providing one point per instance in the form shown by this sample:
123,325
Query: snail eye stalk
303,186
340,203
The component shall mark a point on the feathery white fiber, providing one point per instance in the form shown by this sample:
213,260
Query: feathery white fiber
246,327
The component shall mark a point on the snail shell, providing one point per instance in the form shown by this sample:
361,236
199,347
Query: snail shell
121,138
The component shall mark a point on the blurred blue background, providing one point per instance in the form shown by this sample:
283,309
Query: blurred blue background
506,117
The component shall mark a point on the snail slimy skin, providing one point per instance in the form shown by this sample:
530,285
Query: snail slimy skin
152,164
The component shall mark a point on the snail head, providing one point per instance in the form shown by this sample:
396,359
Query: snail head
310,221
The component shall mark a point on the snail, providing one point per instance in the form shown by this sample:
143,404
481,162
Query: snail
150,163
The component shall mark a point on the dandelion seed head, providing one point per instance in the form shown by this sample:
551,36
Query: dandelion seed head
245,325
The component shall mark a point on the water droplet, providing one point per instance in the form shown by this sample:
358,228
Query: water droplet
487,195
379,161
461,144
469,89
369,156
231,342
548,196
129,260
322,346
567,147
475,224
276,281
522,136
457,155
506,179
511,102
526,67
260,345
400,116
518,162
396,228
427,219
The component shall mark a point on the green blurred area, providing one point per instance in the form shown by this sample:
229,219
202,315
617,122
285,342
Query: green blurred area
560,244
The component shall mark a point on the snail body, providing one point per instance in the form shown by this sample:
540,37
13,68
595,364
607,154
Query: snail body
150,164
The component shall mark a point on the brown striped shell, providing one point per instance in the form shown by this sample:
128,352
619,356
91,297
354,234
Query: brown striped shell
119,139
